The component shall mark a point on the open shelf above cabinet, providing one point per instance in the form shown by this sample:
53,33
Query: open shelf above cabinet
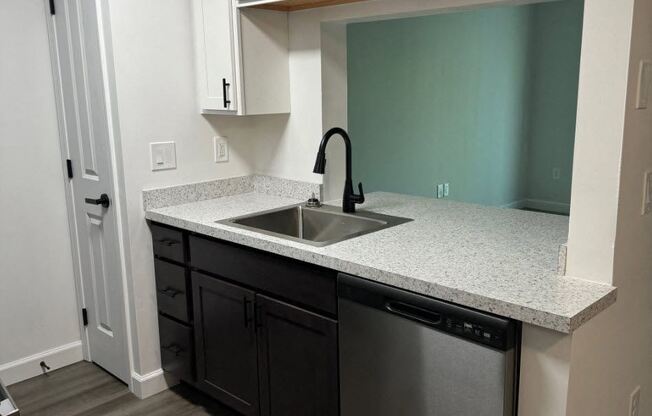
292,5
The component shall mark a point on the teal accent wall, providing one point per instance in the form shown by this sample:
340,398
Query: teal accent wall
556,45
465,98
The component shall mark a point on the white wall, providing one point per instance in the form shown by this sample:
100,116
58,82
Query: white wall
612,354
38,308
598,139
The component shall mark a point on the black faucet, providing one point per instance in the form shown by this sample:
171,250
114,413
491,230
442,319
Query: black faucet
349,199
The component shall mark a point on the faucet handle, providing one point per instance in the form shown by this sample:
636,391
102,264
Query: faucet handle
359,199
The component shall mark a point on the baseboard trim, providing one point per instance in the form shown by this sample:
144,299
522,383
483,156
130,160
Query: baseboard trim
28,367
543,205
146,385
516,204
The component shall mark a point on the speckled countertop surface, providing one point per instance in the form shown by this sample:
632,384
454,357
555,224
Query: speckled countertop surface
497,260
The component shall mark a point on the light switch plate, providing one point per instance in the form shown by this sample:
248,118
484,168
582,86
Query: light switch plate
647,193
163,155
220,149
644,85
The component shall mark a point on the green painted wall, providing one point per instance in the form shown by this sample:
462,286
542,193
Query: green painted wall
450,98
556,44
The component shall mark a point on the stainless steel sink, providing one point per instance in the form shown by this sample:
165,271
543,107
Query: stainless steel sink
315,226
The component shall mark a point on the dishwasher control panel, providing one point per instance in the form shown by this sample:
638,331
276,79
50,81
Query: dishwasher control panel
478,332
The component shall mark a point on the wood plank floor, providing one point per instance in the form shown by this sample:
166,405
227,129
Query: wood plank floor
83,389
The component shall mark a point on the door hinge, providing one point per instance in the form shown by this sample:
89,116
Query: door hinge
69,168
85,316
52,7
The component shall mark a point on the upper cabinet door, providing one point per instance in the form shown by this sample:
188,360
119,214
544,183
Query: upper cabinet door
215,49
242,59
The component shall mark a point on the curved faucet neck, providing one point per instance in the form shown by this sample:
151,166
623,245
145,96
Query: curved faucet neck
347,143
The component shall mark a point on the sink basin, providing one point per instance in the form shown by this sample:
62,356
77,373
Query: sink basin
315,226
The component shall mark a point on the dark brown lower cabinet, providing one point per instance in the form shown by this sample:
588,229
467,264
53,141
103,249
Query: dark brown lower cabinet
263,356
224,328
225,339
297,352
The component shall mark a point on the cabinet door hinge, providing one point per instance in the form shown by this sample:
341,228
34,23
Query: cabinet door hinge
52,7
69,168
85,316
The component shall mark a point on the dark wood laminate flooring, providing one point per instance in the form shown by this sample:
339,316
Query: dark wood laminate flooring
84,389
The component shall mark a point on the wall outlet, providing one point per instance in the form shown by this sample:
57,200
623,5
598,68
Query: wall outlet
556,174
163,155
644,85
221,149
447,189
635,402
647,193
440,191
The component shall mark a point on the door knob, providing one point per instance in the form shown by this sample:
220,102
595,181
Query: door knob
103,200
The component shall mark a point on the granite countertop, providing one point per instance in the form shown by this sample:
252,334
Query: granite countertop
496,260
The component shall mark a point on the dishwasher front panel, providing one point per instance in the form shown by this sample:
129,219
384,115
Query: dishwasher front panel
391,365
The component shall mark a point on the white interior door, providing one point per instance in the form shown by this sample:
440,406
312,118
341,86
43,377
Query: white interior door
77,27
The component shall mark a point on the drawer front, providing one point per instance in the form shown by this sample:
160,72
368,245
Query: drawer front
168,243
177,356
298,282
172,290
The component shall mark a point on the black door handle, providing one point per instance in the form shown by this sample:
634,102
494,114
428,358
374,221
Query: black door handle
104,201
225,97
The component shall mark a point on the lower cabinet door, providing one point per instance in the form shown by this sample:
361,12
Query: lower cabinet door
225,339
298,360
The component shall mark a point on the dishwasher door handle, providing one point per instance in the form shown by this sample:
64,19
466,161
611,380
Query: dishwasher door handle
413,313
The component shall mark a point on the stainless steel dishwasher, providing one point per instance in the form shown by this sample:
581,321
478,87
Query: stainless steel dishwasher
406,354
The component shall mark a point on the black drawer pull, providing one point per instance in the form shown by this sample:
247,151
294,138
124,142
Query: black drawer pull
168,242
173,348
171,292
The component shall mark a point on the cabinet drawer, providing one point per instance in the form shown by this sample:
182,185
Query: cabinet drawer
298,282
167,243
176,348
172,290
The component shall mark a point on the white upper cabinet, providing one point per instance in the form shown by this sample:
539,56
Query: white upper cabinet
242,59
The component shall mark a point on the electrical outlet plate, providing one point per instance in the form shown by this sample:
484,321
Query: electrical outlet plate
556,174
220,149
447,189
644,85
647,193
440,190
163,155
635,402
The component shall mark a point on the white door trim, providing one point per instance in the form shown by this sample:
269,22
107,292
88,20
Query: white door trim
118,200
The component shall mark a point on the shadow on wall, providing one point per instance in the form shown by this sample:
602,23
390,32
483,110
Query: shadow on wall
484,100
